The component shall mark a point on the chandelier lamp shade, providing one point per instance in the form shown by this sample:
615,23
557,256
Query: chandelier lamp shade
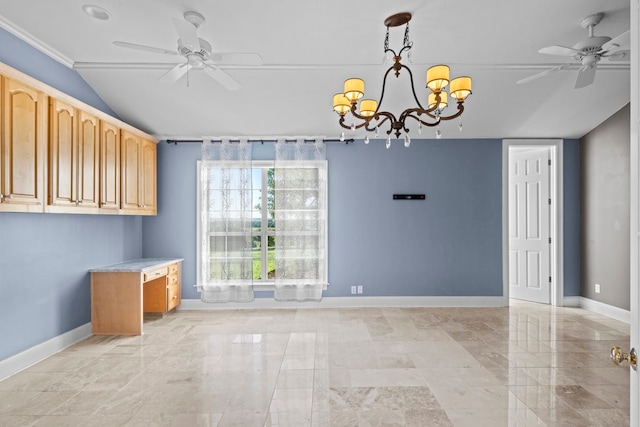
368,114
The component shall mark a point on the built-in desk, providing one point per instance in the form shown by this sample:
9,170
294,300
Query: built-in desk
121,293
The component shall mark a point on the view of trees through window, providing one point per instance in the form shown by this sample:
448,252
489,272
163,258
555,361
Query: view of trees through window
263,224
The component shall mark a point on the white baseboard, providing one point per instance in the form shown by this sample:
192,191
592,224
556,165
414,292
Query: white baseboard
345,302
605,309
33,355
571,301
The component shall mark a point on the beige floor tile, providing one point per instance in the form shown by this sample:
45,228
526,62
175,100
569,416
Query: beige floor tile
386,377
528,364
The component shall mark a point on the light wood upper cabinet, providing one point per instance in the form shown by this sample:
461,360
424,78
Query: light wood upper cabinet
23,114
109,166
148,173
58,154
74,150
138,175
88,159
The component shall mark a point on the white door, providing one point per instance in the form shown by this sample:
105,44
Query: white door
529,224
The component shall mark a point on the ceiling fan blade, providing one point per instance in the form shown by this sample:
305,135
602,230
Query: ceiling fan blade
586,75
188,34
236,58
542,74
559,51
221,77
145,48
619,56
622,42
175,73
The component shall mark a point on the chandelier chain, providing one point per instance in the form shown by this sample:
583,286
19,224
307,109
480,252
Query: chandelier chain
407,39
386,41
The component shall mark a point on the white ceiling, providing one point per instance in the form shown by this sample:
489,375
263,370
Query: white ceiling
310,48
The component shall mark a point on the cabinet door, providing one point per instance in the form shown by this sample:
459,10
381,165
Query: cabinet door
148,177
22,147
138,195
110,166
63,154
88,189
131,159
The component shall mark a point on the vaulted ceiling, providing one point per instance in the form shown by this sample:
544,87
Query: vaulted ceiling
309,48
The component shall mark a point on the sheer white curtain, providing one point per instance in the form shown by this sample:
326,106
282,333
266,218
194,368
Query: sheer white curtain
225,257
300,220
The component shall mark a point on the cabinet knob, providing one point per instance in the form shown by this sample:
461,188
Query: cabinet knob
8,196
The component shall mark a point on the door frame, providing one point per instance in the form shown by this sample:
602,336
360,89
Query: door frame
555,217
634,229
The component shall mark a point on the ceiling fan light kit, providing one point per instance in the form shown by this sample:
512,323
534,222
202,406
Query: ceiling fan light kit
198,53
587,52
371,117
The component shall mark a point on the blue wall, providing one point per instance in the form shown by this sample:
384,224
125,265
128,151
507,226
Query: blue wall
448,245
44,258
571,223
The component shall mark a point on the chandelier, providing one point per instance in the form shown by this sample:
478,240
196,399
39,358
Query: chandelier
372,118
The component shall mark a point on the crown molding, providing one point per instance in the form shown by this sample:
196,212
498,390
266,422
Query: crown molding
33,42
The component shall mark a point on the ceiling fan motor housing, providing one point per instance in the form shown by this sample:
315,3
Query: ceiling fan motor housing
204,52
591,45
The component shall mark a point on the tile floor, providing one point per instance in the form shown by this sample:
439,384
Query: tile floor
526,365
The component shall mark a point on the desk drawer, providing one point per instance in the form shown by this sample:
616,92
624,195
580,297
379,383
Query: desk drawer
154,274
173,280
174,268
173,297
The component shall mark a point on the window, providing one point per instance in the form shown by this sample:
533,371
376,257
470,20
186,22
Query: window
259,218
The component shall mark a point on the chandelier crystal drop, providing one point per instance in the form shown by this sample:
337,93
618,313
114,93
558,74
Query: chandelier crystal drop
371,117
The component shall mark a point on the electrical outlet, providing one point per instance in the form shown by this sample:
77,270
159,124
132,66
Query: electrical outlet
359,289
353,290
597,288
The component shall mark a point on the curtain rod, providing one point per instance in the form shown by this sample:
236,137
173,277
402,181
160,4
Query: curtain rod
261,141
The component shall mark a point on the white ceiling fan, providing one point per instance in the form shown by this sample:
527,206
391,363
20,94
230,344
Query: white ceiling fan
587,53
198,53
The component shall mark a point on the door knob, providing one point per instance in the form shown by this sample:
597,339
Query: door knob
617,357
